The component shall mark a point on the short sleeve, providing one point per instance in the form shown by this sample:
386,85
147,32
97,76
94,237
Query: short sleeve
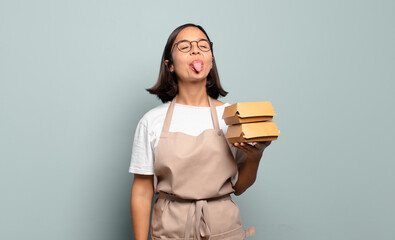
240,157
142,159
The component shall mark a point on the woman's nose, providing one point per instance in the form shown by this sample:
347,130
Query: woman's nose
194,48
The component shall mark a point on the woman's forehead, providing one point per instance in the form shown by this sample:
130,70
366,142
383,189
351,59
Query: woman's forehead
191,34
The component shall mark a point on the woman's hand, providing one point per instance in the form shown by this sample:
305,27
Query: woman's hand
253,152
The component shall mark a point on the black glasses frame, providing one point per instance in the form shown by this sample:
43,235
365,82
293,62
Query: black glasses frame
190,43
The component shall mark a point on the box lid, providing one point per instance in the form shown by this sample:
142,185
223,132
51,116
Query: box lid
249,109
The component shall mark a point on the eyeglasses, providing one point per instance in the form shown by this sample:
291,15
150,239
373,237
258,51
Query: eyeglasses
186,46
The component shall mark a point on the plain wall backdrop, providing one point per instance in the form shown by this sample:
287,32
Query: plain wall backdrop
73,75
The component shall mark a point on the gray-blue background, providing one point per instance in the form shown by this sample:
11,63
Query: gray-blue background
73,75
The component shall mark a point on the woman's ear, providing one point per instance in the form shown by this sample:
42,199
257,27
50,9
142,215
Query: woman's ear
171,67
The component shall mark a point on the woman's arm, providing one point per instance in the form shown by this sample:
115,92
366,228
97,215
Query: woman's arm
141,202
247,176
247,172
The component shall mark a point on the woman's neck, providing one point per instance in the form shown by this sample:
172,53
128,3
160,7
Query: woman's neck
192,93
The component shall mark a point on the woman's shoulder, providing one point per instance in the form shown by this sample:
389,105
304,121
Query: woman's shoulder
154,114
219,103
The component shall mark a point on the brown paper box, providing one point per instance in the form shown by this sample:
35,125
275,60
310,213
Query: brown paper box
252,132
246,112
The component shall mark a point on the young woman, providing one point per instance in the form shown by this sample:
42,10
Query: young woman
180,151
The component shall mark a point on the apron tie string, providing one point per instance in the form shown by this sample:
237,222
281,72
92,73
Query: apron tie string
202,222
199,209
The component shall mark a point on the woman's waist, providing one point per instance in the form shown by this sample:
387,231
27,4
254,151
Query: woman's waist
174,197
194,190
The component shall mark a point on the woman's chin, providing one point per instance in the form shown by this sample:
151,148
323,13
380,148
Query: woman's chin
199,78
195,77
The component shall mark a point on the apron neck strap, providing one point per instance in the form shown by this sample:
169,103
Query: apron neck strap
213,114
169,114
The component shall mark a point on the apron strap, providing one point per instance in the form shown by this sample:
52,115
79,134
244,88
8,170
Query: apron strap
213,114
169,114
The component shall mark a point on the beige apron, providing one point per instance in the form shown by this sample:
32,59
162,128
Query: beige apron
194,186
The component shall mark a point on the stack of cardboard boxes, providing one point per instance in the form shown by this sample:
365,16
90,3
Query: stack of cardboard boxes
250,122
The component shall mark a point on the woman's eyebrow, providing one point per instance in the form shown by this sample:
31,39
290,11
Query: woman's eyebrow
183,40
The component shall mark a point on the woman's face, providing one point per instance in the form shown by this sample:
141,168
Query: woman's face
193,65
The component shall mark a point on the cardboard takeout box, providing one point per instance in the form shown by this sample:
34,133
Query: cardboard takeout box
252,132
247,112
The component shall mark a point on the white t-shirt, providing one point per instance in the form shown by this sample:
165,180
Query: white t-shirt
191,120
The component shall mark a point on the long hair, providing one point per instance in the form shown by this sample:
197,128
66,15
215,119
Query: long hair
166,88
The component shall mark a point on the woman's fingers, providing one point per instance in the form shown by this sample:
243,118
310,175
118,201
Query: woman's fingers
256,146
261,145
266,143
237,145
245,147
248,146
253,151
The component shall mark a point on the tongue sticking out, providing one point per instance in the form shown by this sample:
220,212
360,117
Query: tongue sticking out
197,65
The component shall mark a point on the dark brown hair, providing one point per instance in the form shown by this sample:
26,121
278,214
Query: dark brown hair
166,88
